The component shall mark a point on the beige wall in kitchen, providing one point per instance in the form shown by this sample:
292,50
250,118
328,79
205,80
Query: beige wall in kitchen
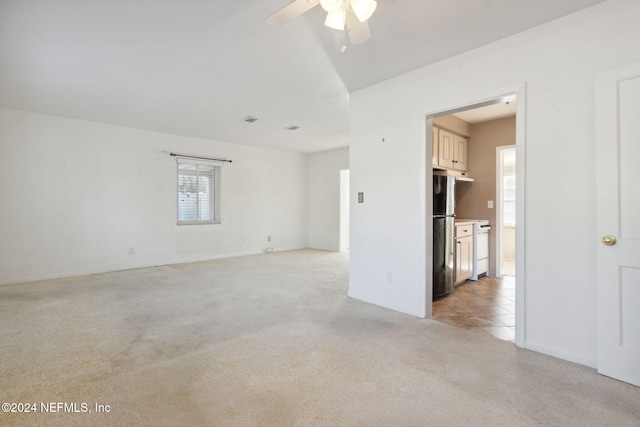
453,124
472,197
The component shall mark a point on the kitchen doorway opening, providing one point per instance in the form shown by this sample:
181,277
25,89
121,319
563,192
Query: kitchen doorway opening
490,301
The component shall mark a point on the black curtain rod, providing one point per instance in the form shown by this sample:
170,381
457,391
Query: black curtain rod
188,156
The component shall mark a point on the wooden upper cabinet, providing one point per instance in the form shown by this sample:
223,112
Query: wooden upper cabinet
452,151
445,149
460,153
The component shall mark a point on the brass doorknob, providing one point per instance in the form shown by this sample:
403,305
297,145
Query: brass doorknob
609,240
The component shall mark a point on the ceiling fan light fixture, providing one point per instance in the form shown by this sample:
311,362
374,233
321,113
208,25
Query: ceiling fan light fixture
363,9
348,16
336,19
332,5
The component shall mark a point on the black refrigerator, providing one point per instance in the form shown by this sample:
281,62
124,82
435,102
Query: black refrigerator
443,234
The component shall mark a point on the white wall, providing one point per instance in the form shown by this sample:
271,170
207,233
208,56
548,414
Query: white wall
324,198
558,62
76,195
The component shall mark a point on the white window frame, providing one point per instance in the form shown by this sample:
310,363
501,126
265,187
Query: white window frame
214,198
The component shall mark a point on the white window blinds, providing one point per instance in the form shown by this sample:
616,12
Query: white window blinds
198,192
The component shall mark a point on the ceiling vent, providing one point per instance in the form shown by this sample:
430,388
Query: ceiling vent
250,119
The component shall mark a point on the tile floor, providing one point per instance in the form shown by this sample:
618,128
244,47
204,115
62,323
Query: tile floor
487,305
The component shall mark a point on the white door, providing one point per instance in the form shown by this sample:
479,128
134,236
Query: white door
618,216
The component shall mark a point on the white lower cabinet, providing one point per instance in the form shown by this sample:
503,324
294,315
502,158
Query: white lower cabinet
464,252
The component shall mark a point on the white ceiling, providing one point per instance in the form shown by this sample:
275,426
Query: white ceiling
198,67
489,112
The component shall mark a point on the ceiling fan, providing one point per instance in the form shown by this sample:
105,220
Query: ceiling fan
345,15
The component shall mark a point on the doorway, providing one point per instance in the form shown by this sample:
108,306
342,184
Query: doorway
491,298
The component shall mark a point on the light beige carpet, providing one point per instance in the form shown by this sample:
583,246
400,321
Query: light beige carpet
271,340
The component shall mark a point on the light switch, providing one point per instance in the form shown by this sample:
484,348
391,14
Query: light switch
490,204
360,197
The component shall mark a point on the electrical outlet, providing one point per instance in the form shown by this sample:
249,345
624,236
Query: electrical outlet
360,197
490,204
268,238
132,251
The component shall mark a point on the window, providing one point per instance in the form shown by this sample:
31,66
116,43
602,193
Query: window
198,192
509,188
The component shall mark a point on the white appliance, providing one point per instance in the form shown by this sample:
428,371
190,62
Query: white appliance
481,230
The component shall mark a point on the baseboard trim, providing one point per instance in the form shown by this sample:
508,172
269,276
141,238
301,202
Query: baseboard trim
381,302
564,355
144,264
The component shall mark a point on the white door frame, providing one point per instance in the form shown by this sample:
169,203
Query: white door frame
466,104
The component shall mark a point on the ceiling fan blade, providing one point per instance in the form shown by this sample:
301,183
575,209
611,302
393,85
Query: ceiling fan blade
292,10
359,32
